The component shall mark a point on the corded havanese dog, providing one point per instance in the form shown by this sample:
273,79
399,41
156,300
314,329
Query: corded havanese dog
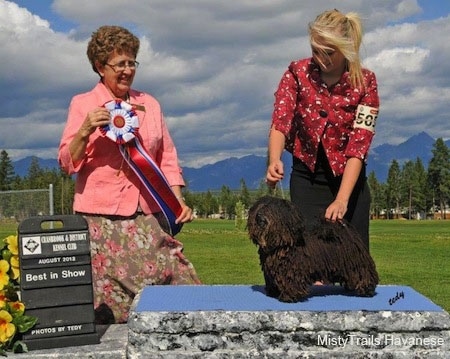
292,258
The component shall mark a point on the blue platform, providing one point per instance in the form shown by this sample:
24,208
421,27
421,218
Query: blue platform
184,298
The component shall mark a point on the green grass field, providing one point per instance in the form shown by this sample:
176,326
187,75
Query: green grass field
412,253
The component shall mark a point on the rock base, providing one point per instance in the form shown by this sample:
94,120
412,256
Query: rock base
286,330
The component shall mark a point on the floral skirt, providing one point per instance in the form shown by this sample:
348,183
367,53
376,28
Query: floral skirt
127,255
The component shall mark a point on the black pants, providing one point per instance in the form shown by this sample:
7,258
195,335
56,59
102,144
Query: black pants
314,191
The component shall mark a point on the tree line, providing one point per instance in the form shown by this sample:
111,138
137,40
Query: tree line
410,190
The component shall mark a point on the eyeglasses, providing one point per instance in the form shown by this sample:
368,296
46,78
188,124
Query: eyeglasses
122,65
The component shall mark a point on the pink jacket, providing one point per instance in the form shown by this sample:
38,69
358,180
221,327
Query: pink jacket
105,184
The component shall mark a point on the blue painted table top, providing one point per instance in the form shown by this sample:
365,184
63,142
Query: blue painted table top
182,298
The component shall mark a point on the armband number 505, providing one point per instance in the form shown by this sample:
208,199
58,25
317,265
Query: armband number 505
366,117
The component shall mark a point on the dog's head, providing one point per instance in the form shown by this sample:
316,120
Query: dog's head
275,222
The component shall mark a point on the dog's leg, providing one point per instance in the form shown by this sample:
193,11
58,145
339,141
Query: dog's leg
293,294
363,282
271,288
283,279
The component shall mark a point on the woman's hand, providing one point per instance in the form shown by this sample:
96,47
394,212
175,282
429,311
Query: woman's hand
336,210
275,173
95,118
186,214
275,170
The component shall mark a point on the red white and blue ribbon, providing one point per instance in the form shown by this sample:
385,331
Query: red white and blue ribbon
124,123
156,186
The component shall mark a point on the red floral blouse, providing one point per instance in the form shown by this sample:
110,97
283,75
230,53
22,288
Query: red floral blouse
341,117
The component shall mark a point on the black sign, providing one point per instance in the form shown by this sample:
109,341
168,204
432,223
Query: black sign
56,281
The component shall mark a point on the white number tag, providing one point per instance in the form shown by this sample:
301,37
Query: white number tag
366,118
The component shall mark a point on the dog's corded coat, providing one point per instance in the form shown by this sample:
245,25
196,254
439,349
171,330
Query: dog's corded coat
292,258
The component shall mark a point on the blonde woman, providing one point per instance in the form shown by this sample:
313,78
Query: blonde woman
324,114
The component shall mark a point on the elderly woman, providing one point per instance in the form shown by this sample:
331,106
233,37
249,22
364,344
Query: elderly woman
130,242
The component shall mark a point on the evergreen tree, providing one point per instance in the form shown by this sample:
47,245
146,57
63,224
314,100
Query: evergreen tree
240,221
35,177
227,202
6,172
207,204
393,189
422,195
410,187
63,190
378,198
244,196
439,175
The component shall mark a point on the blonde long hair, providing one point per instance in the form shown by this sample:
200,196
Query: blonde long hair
344,32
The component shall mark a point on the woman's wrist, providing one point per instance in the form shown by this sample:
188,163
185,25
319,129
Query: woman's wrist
341,202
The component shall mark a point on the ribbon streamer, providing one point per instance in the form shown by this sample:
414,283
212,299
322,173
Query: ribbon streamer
123,129
154,182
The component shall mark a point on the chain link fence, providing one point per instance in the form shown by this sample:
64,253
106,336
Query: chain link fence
22,204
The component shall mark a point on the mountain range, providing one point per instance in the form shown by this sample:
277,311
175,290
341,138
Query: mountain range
252,168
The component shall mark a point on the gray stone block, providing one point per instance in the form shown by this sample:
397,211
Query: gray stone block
314,333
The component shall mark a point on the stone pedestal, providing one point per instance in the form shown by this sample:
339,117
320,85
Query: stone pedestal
242,322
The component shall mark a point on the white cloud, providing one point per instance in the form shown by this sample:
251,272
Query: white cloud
407,8
398,62
20,20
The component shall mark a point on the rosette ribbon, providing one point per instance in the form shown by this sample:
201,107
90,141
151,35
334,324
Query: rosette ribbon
124,123
123,129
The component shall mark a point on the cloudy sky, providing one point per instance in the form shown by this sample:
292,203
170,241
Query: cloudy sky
214,66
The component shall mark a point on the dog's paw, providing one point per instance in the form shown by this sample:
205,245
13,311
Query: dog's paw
293,297
366,292
272,292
